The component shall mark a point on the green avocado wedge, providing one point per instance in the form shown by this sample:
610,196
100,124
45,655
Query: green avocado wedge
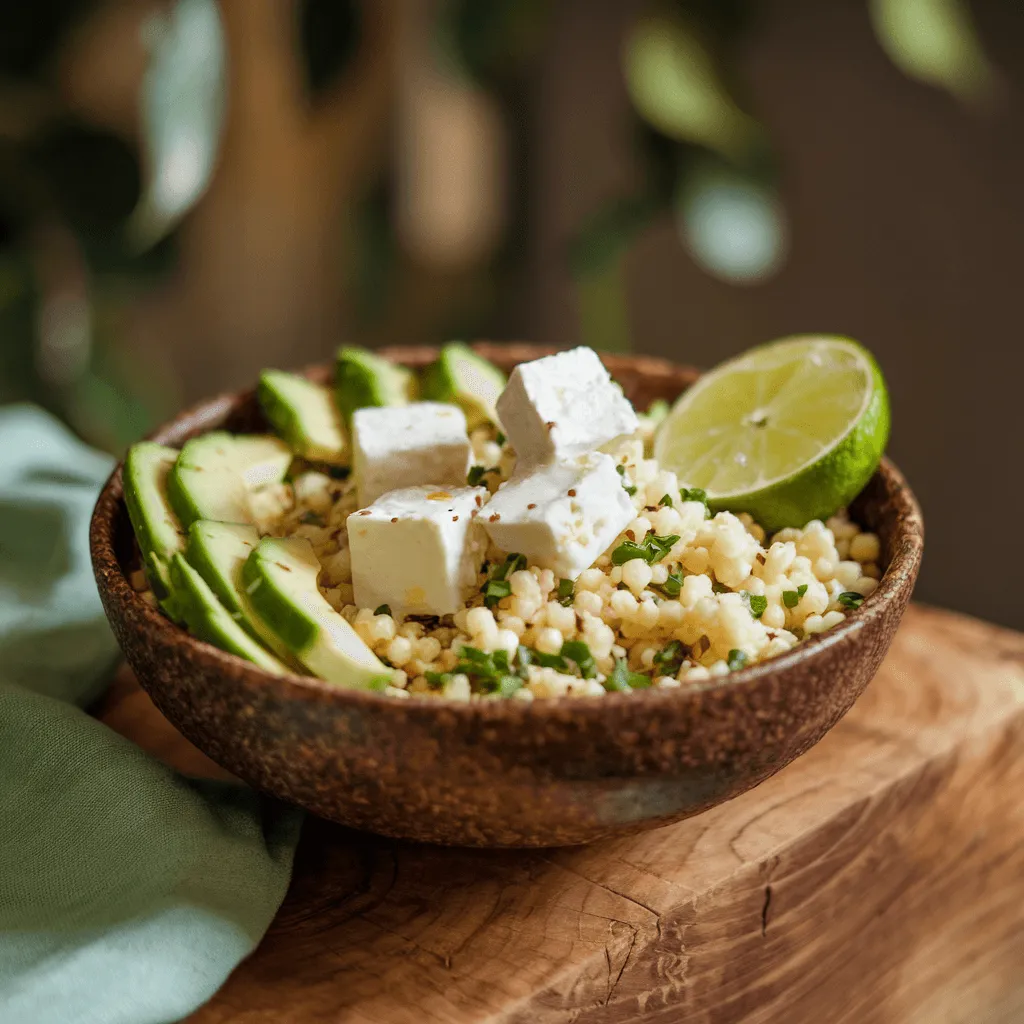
463,378
305,416
207,619
157,529
280,578
217,551
362,378
214,475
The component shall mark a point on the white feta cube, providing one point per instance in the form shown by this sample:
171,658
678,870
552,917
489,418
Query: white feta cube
401,446
563,405
418,549
561,516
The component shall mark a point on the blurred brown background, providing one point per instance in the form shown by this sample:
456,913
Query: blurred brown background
192,190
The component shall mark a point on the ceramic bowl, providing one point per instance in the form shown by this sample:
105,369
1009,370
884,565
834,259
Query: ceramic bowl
504,773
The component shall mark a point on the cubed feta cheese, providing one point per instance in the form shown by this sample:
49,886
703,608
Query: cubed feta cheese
561,516
563,405
418,549
400,446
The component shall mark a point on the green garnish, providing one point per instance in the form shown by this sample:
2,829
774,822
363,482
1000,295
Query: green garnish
758,604
737,659
382,609
527,656
491,672
653,549
720,588
672,585
630,491
669,659
566,592
620,469
666,499
477,473
622,680
438,678
696,494
851,600
791,598
497,585
495,590
501,439
579,652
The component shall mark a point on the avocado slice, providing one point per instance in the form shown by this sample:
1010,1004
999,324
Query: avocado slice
280,577
305,415
157,529
209,620
217,551
363,378
463,378
214,474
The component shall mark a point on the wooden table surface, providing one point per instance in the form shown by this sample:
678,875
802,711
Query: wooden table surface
879,879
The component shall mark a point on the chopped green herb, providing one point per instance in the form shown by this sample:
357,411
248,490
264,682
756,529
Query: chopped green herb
438,678
501,439
555,661
622,680
670,658
311,519
653,549
497,586
737,659
382,609
758,604
672,586
620,469
791,598
720,588
579,652
851,600
630,491
476,474
566,592
491,672
666,499
495,590
696,494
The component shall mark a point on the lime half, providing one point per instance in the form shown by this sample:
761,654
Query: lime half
789,431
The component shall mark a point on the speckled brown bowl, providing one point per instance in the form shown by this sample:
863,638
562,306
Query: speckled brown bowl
504,773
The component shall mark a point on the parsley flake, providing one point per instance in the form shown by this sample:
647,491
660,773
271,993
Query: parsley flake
851,600
382,609
758,604
653,549
669,659
666,499
791,598
672,586
737,659
578,652
566,592
621,680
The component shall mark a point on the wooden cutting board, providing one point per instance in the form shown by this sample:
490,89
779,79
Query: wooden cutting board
879,879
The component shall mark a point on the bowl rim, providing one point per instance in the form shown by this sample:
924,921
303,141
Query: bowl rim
901,572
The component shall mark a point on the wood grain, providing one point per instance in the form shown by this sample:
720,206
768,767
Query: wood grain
877,880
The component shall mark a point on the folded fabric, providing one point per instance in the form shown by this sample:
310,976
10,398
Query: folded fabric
128,892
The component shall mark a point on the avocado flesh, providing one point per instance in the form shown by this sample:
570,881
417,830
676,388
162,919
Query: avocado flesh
217,551
214,475
207,619
305,416
280,577
157,529
463,378
363,378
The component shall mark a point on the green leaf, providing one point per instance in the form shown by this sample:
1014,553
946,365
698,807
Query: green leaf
758,604
566,592
382,609
737,659
621,680
673,585
666,499
851,600
183,101
653,549
669,659
579,652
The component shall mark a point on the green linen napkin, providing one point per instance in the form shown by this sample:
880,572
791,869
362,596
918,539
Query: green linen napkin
128,892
